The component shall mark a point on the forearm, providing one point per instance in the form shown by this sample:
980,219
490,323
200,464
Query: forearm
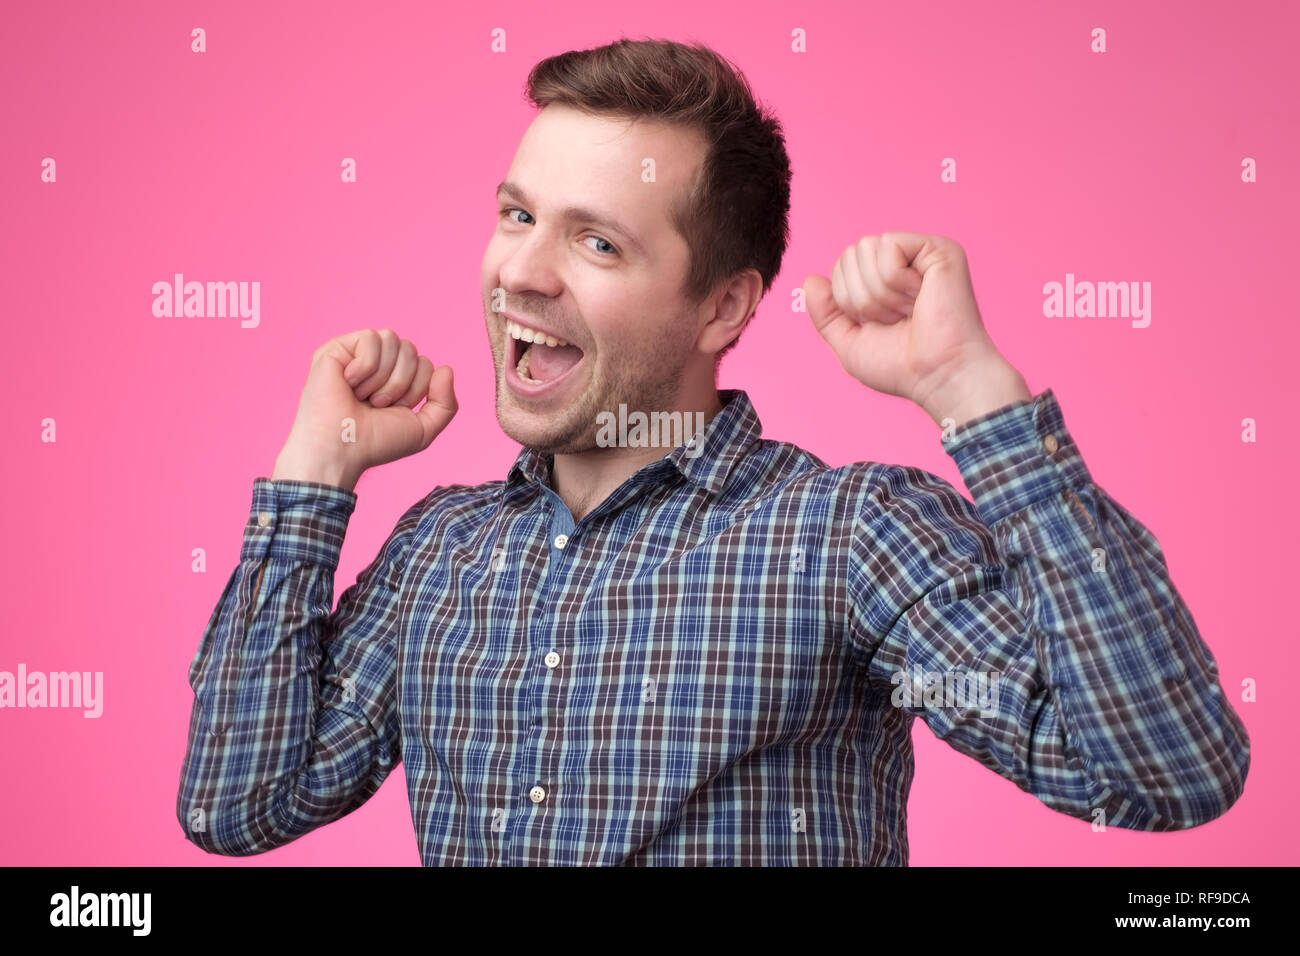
1135,686
267,759
1107,699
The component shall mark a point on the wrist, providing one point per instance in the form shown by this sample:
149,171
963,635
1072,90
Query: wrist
977,390
298,463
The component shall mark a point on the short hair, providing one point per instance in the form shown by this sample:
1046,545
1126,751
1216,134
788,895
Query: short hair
736,215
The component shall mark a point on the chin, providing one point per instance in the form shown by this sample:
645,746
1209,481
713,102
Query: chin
525,427
546,434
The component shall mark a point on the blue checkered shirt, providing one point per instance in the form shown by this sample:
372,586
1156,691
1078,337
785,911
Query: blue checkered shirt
719,664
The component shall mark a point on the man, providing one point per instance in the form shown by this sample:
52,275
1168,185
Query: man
711,654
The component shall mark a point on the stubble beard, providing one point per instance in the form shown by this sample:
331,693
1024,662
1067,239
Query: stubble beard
573,429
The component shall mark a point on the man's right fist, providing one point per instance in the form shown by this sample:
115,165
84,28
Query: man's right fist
375,380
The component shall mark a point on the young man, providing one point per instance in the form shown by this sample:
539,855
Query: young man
622,654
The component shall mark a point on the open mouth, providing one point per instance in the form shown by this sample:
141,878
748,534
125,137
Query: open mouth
539,359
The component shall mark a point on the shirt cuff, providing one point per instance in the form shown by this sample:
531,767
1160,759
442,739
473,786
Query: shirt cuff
1017,455
297,521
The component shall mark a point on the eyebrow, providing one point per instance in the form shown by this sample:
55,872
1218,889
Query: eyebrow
576,214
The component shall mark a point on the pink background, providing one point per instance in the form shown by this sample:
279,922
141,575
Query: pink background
225,166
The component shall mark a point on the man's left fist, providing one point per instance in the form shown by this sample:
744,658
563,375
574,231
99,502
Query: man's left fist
900,314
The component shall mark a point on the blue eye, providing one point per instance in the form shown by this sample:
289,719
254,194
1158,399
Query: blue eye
506,213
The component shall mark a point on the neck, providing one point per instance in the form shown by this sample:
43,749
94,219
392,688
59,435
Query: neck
585,479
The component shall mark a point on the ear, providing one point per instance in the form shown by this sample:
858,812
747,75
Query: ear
729,310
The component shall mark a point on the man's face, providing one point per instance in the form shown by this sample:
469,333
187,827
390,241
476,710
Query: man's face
612,293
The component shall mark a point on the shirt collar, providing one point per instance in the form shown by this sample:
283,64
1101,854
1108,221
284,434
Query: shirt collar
727,438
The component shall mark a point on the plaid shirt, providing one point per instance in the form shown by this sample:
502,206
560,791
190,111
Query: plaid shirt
720,664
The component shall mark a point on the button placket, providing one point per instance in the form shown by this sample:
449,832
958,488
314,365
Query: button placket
546,694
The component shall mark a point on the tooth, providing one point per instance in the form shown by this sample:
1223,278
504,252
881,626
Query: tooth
522,370
552,341
513,330
528,335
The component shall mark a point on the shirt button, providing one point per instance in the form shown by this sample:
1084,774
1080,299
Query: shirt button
561,540
552,659
537,794
263,519
1050,444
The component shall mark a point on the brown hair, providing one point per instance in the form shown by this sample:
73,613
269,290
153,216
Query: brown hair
736,216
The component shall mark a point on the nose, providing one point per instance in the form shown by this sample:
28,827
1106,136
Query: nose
530,265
